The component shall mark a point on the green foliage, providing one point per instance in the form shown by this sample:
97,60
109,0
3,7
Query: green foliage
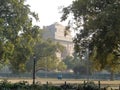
47,63
90,86
80,69
100,30
86,86
46,59
76,64
17,33
72,61
24,85
61,66
69,62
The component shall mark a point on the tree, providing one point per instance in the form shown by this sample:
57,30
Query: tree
45,53
80,69
100,30
76,64
16,33
72,61
61,66
69,62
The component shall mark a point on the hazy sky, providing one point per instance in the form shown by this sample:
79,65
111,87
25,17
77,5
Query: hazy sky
48,10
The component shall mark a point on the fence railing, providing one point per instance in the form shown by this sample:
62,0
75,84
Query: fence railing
63,85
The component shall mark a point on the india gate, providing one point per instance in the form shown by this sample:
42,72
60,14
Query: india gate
55,32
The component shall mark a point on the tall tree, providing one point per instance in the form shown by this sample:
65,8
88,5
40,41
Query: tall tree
16,32
100,32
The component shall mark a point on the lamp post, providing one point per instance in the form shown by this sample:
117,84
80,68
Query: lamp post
86,45
87,61
34,62
87,57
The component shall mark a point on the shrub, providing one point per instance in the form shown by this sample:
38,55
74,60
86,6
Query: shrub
24,85
90,86
85,86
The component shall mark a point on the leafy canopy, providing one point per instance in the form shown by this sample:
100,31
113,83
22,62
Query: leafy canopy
46,58
16,33
98,25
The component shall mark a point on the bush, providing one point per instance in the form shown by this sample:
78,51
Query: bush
90,86
24,85
85,86
4,84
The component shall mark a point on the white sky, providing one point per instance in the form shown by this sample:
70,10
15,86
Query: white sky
48,10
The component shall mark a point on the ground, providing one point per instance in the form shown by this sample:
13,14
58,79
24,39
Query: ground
58,82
